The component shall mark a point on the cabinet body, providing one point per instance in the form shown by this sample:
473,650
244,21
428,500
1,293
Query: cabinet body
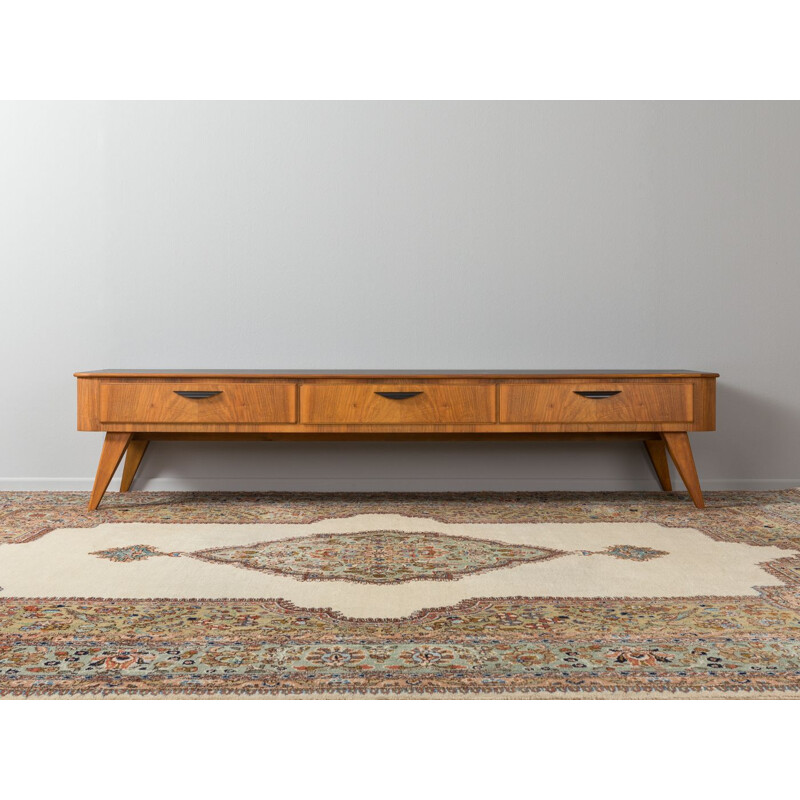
137,406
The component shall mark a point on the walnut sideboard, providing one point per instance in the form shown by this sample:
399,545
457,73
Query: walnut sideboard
135,407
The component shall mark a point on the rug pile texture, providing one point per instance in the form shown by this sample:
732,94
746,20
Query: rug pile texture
479,595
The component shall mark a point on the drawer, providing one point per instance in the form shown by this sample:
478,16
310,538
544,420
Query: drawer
244,403
597,402
395,404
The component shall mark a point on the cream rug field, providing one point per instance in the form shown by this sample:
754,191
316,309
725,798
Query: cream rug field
466,595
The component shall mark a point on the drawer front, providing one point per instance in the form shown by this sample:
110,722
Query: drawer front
245,403
596,402
373,404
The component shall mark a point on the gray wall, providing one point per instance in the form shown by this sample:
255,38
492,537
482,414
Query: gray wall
400,235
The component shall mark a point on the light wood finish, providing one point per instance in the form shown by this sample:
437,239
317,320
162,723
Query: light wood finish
239,403
302,429
335,405
133,458
657,450
355,434
681,452
395,374
113,449
91,385
360,403
560,402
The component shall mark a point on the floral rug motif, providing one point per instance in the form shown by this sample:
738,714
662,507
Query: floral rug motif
376,556
366,557
742,646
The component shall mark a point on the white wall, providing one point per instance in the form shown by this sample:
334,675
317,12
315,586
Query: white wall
400,235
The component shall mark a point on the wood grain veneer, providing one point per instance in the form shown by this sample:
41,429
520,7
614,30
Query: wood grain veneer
372,375
235,403
362,404
134,407
562,402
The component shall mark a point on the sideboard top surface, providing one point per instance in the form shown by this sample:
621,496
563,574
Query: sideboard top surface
396,373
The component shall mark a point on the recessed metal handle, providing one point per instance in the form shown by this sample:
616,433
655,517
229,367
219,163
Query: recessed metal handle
398,395
598,395
197,395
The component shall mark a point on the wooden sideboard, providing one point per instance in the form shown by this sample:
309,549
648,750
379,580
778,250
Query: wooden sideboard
135,407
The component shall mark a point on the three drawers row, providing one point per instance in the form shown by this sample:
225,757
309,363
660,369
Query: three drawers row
259,403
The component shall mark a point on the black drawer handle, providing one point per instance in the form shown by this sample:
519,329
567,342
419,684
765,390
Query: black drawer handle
197,395
398,395
598,395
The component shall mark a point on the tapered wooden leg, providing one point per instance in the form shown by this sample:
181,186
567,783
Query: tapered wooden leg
133,457
113,450
681,452
657,451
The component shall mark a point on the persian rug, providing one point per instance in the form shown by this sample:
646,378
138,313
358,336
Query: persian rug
489,595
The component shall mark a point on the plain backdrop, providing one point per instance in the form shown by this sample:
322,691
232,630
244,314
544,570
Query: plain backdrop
392,235
580,49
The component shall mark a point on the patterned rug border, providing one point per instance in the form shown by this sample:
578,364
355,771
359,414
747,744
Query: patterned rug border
694,695
573,693
470,604
117,505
